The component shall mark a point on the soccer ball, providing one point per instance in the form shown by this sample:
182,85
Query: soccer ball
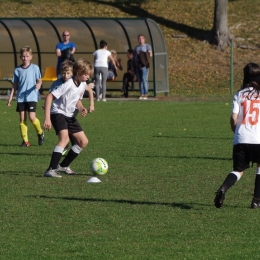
99,166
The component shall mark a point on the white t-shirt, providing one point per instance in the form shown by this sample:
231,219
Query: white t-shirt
101,58
67,96
248,121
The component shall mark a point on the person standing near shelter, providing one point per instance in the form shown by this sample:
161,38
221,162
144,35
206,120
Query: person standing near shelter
129,76
64,50
27,82
245,123
101,68
142,53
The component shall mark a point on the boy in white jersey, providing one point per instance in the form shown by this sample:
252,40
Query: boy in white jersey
60,115
27,81
66,72
245,123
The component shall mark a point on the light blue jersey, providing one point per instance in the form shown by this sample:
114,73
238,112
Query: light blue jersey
26,79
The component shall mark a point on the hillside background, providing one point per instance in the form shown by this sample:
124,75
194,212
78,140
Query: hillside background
195,67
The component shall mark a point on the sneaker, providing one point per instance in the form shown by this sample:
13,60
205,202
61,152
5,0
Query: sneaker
104,100
66,170
25,144
41,139
97,99
220,197
145,97
141,97
51,173
255,204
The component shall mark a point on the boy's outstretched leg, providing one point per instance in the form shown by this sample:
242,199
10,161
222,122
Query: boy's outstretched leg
230,180
70,157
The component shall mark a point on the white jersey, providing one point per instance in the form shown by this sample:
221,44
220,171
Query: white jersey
248,121
67,96
101,58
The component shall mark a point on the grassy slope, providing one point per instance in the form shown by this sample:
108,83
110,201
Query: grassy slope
195,67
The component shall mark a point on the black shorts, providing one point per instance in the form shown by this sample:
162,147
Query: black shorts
61,122
26,106
243,154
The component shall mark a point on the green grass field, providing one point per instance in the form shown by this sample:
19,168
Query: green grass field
166,160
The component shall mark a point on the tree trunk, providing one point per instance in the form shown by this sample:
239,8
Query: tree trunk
220,31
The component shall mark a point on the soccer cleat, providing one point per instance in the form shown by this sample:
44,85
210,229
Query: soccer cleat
255,204
51,173
220,197
25,144
41,139
66,170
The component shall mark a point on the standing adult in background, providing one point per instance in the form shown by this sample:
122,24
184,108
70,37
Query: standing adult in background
142,53
101,68
64,50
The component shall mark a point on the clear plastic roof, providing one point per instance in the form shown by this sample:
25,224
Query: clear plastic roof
42,35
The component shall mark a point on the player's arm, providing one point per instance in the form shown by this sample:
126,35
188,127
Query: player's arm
91,99
14,88
47,105
233,122
38,83
81,108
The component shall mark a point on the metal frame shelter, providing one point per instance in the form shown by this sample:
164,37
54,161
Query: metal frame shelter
42,35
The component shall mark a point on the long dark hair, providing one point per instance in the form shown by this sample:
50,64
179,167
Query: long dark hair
252,80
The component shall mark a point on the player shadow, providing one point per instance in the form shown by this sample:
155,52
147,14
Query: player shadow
22,153
182,157
122,201
193,137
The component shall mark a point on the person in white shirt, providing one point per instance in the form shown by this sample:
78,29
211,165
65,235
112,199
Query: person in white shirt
101,68
60,114
245,123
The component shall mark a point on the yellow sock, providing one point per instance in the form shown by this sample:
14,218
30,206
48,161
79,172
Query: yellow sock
24,129
37,125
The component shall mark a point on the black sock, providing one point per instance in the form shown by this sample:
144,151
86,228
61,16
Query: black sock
55,158
230,180
257,187
70,157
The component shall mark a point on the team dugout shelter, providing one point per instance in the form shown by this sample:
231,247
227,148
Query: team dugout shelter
42,35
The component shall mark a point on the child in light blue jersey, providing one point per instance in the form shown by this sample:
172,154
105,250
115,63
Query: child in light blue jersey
27,82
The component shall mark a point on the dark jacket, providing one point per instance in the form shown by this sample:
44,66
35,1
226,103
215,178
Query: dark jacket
143,59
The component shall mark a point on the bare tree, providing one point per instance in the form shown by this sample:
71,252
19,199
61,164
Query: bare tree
220,31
